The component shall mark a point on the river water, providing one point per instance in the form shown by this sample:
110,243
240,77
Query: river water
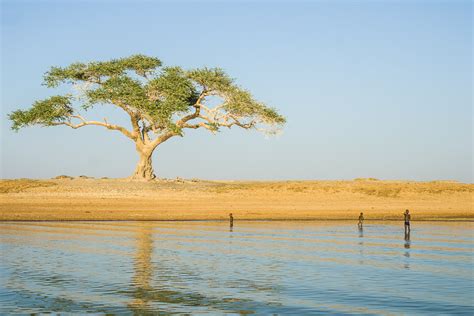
294,268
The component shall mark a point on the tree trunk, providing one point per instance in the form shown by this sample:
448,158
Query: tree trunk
144,168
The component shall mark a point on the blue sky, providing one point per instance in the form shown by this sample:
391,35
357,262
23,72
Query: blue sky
370,88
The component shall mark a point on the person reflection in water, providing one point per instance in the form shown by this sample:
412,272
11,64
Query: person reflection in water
361,220
407,249
407,239
407,218
231,221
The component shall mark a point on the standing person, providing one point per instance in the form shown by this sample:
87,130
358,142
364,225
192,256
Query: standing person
361,220
231,220
407,218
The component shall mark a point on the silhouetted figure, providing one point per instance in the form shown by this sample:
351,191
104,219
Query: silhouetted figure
407,218
361,220
231,221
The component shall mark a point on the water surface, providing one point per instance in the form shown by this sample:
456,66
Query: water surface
259,267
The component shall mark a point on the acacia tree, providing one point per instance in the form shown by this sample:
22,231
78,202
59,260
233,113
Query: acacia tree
161,102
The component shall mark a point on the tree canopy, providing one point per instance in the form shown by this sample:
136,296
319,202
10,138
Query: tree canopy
161,101
154,94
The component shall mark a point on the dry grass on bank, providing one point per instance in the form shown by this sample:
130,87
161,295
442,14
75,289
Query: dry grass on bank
120,199
392,189
21,185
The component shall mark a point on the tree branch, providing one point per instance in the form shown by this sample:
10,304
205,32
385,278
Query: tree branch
198,125
105,124
197,109
222,121
161,139
183,120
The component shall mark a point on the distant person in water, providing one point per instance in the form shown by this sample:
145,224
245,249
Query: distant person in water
231,220
361,220
407,218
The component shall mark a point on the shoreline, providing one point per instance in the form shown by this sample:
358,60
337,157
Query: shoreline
198,200
442,220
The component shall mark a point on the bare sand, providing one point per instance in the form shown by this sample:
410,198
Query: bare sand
121,199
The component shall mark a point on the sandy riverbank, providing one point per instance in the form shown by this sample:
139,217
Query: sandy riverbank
120,199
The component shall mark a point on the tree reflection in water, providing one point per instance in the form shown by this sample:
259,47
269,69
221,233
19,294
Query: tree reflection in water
149,298
142,269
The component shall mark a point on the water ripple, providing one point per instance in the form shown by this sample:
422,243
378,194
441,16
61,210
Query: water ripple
266,268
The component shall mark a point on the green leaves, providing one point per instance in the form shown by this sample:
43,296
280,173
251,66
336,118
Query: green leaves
158,99
140,64
122,91
45,112
237,101
211,79
96,72
75,72
271,116
172,93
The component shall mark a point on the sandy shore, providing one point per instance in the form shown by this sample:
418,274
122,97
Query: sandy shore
120,199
